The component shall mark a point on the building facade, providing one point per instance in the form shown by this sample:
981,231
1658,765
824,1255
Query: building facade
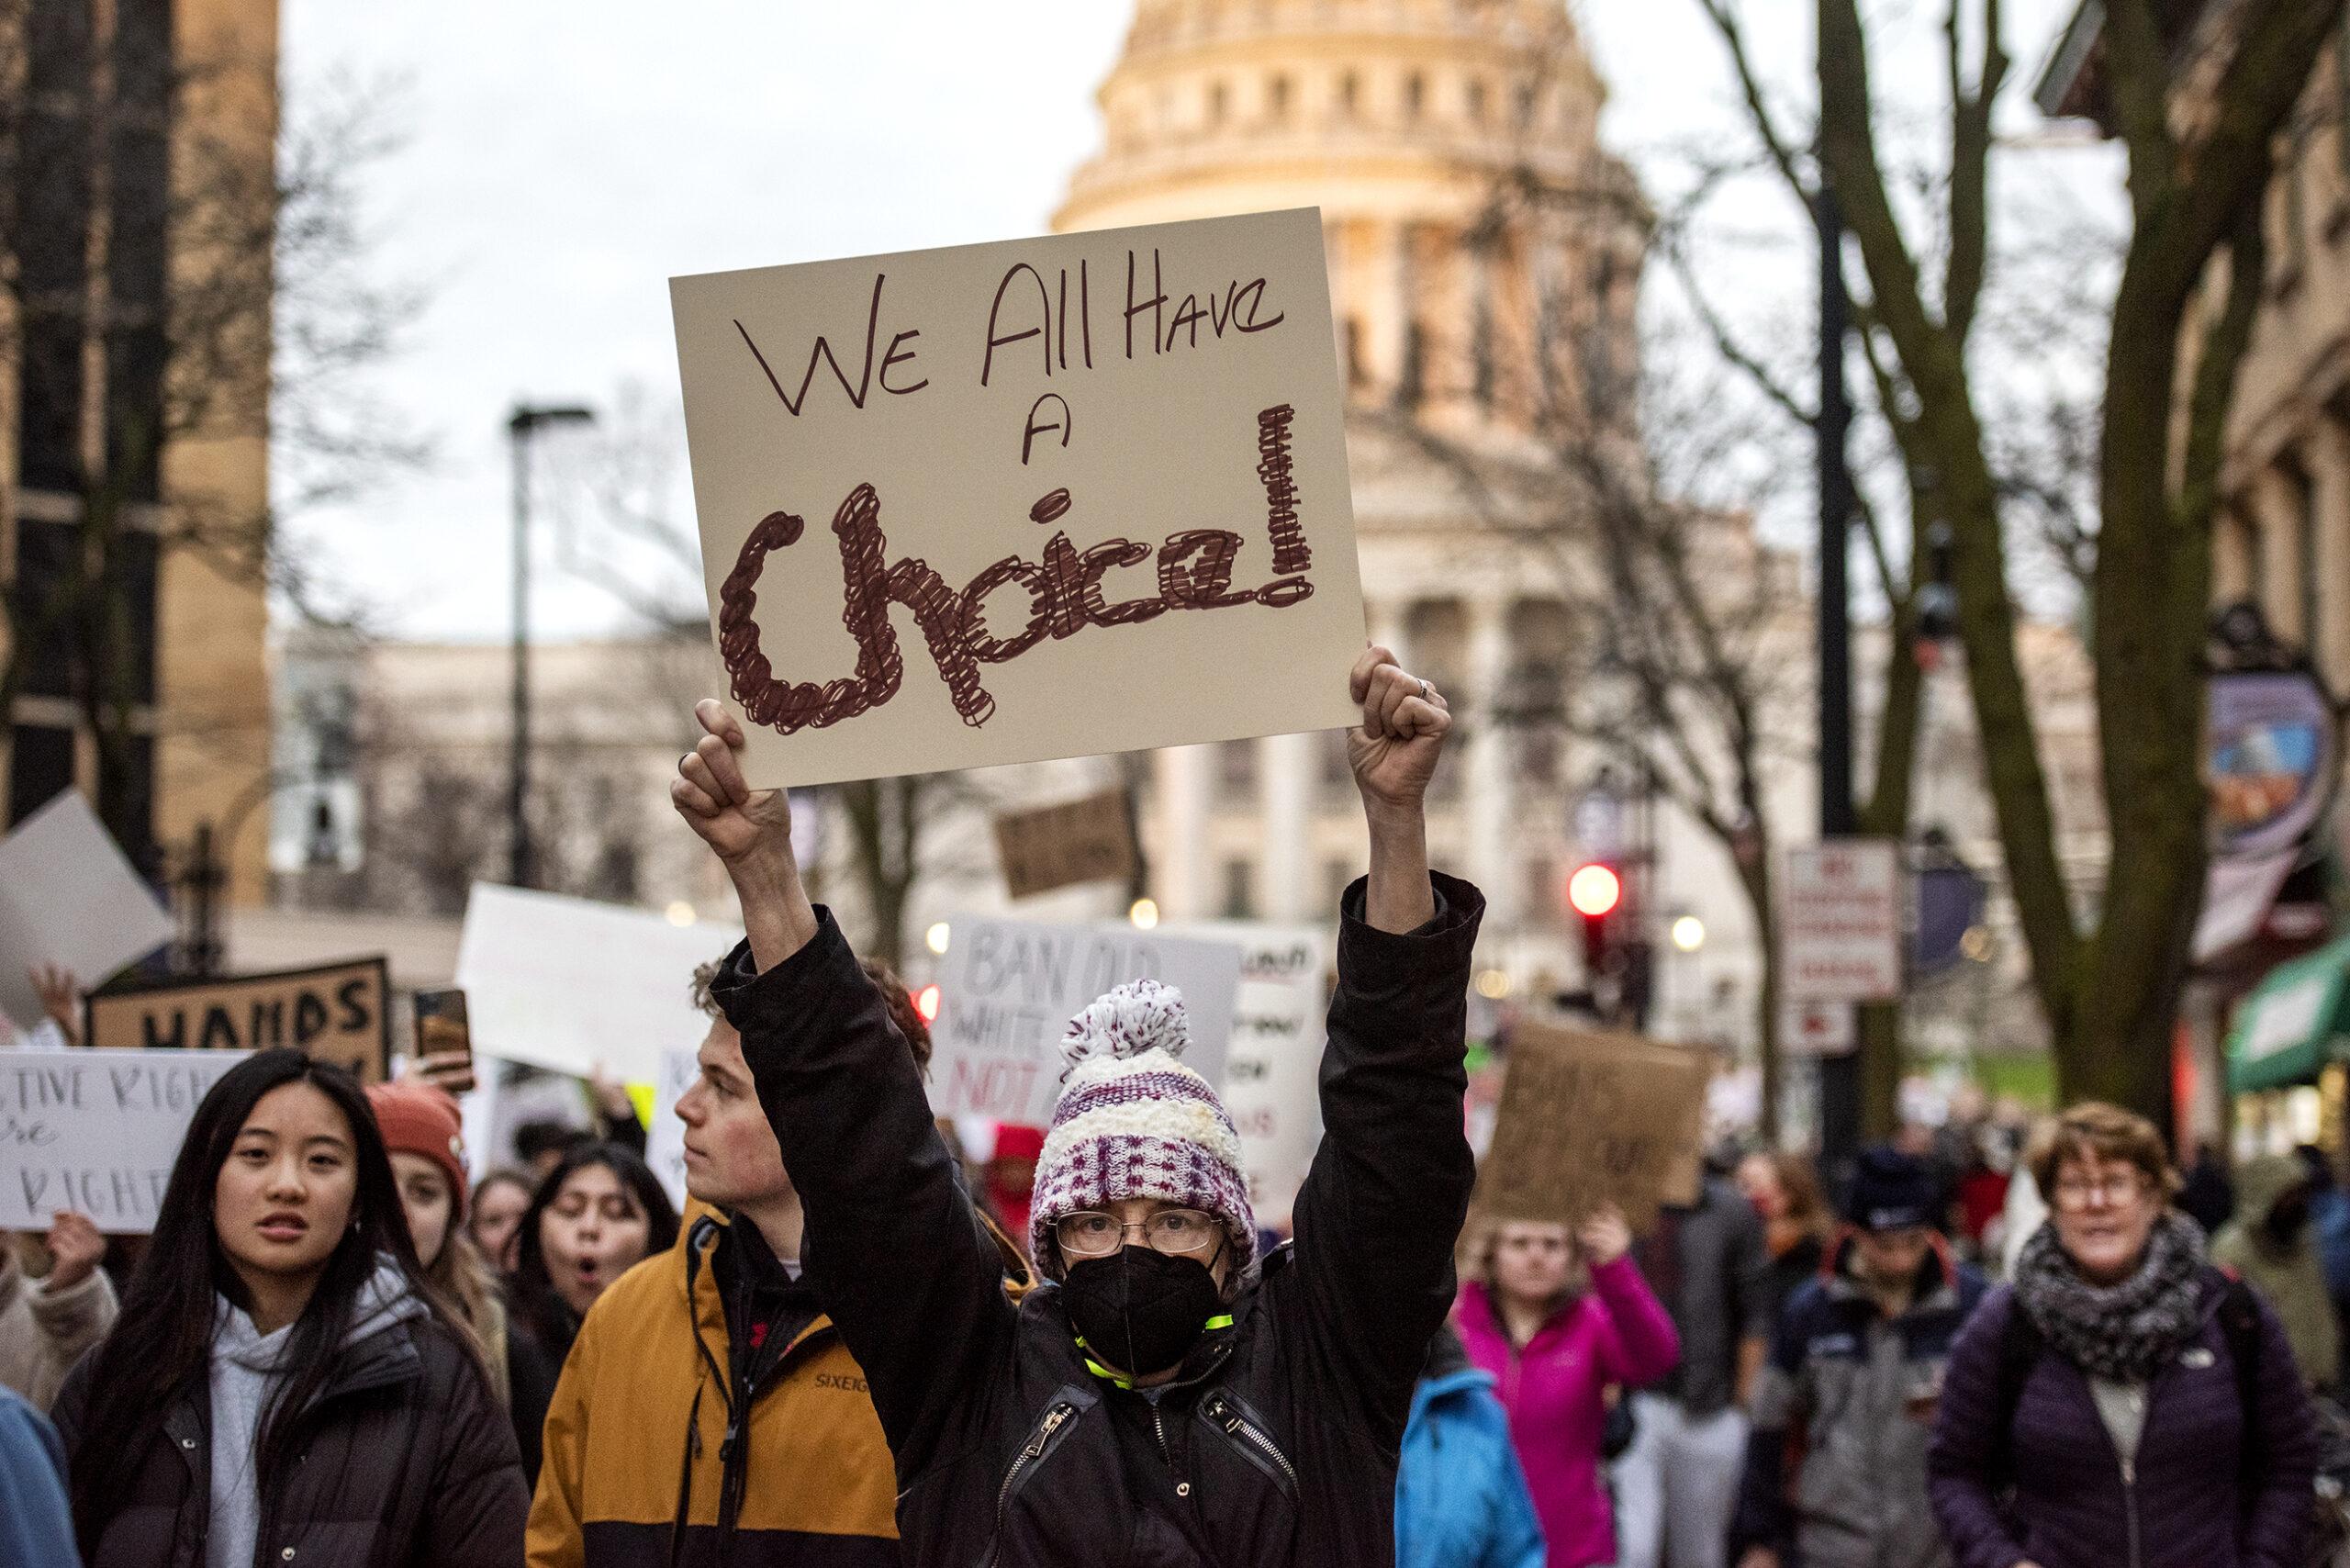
134,386
1481,242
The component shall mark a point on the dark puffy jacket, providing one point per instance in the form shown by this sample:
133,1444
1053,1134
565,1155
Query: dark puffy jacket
2075,1507
1846,1395
406,1458
1278,1442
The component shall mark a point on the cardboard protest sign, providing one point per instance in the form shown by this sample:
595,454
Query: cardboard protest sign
1047,498
69,898
568,984
1010,988
340,1012
1091,840
1589,1117
1273,1063
96,1131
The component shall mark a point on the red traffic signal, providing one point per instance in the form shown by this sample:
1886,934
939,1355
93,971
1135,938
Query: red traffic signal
1594,890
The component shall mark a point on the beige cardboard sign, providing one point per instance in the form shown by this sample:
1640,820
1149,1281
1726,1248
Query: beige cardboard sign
1589,1117
1045,498
339,1013
1090,840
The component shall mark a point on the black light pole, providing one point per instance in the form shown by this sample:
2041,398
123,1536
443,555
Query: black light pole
1840,1075
519,429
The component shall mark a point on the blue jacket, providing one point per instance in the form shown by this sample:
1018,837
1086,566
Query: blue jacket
1461,1498
36,1522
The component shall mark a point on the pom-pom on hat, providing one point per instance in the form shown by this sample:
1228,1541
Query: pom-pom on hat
1134,1122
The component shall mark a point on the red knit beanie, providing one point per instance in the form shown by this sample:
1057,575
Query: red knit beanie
418,1118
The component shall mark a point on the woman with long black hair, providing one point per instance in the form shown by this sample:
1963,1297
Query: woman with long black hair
281,1386
597,1215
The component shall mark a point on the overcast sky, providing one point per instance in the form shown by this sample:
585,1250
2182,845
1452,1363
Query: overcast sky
562,162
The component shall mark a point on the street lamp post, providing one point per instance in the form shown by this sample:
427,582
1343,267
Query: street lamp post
524,421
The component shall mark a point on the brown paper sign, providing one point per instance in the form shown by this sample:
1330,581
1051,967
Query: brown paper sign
1589,1117
338,1014
1089,840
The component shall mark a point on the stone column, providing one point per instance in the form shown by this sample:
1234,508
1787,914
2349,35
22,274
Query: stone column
1186,774
2328,454
2276,503
1486,782
1285,767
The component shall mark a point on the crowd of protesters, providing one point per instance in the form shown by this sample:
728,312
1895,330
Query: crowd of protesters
857,1347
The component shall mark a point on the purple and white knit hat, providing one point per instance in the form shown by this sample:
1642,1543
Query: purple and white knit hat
1132,1122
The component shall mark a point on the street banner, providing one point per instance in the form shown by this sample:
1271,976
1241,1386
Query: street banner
96,1131
1588,1117
1079,494
1091,840
1009,987
338,1013
69,898
2270,756
570,984
1840,921
665,1135
1272,1064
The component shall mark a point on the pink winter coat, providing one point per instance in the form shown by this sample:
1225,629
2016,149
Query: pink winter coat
1615,1332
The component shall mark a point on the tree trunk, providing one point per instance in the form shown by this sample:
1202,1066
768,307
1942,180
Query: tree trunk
1886,814
885,828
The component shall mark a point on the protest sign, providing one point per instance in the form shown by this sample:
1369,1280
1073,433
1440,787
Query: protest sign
1840,921
665,1135
96,1131
1103,474
1010,988
340,1012
1272,1064
570,984
69,898
1091,840
1589,1117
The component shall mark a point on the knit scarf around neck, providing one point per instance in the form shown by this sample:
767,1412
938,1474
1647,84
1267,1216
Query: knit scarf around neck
2125,1331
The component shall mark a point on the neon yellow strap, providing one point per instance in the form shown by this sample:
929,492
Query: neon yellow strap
1222,1320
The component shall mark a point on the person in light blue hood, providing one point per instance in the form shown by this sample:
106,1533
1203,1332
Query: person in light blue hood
281,1386
1461,1498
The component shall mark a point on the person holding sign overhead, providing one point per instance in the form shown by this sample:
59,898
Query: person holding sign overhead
1554,1341
1169,1397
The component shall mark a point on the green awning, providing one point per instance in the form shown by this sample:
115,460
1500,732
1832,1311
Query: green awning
2293,1023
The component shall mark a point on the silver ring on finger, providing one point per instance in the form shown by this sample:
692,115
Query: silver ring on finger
1428,693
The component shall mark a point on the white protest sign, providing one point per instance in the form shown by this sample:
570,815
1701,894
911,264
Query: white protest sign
1045,498
1840,921
96,1131
567,984
1272,1066
665,1140
69,898
1010,988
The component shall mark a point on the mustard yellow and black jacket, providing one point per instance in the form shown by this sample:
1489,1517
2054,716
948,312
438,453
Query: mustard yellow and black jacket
639,1465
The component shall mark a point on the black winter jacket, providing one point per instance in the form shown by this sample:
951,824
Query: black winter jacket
1278,1443
405,1460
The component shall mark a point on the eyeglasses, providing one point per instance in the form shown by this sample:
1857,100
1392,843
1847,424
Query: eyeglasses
2074,1193
1179,1233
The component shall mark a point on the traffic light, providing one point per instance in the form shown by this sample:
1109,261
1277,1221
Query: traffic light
1595,891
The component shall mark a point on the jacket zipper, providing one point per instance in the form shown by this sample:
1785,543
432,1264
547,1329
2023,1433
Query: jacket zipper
1166,1454
2129,1505
1052,1422
1237,1426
